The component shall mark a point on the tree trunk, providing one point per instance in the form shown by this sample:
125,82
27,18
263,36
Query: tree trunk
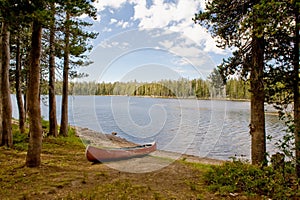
64,103
296,91
33,158
19,90
5,89
0,84
52,101
257,126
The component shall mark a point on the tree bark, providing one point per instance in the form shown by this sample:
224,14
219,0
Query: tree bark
0,84
64,104
33,158
296,90
257,126
19,97
7,139
52,100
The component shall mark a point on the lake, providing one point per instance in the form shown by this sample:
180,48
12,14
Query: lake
206,128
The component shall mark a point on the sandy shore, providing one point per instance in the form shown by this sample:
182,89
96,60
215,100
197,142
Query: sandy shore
109,140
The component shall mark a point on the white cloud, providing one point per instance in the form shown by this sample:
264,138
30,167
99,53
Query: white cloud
102,4
172,16
124,45
203,38
180,70
113,20
181,62
168,26
119,23
123,24
106,29
160,14
108,44
166,43
84,16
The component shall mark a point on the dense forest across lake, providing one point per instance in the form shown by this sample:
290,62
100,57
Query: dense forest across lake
182,88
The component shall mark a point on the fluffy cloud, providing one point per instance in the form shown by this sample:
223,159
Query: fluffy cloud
113,20
122,24
173,16
102,4
176,17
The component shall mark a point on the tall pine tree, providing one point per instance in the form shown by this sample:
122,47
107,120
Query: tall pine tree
53,128
75,45
264,32
238,24
6,11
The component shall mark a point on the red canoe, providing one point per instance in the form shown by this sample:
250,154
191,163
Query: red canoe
97,154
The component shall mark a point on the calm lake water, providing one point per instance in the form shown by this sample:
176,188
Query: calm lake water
215,129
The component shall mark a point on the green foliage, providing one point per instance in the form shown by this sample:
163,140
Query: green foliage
45,124
182,88
287,143
238,89
239,177
79,38
20,141
235,23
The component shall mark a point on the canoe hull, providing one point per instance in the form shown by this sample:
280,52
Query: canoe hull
96,154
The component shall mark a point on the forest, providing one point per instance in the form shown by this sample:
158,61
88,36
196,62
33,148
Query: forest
234,89
40,39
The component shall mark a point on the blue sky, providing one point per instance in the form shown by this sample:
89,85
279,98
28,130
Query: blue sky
150,40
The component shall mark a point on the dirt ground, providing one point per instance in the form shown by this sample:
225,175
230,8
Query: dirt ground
66,174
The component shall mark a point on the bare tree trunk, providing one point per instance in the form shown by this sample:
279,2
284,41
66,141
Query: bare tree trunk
52,101
33,158
64,104
1,84
5,89
257,126
257,116
296,91
19,90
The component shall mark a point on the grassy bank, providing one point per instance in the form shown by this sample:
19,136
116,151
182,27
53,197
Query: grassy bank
66,174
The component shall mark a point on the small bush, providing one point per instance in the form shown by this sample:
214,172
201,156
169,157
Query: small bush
239,177
20,141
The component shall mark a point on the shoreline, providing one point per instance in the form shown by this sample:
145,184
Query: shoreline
91,137
167,97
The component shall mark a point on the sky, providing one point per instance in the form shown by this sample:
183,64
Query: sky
150,40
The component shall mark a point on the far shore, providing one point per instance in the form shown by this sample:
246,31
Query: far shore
167,97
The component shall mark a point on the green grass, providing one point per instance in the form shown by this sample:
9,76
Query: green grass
198,166
66,174
20,141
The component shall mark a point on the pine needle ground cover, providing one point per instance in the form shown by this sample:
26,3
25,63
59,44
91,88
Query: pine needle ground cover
66,174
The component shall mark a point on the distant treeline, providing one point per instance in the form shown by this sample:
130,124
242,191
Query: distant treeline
182,88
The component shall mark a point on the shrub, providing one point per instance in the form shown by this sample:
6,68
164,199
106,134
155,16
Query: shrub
20,141
239,177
